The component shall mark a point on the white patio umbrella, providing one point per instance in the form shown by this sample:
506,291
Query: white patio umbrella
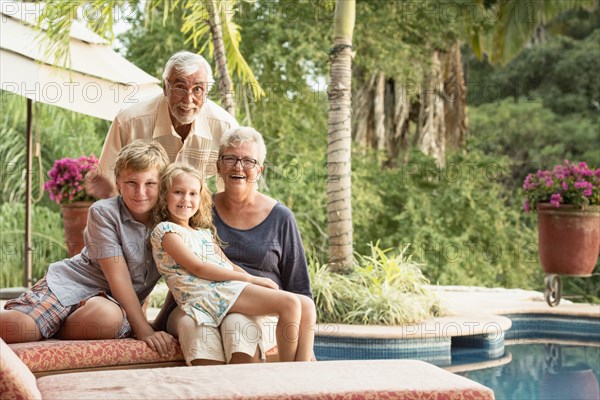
99,82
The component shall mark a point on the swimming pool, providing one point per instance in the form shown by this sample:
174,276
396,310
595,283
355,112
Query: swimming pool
544,371
541,356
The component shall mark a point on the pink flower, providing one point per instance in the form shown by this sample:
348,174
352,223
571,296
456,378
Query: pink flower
66,183
567,183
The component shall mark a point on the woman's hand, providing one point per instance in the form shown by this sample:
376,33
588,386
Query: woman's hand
159,341
266,282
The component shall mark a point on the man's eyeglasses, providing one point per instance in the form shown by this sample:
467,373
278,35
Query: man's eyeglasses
247,163
198,92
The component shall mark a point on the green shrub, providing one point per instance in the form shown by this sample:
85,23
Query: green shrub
462,223
383,289
47,242
158,294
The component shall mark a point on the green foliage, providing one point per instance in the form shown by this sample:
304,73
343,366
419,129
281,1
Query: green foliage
58,17
60,133
577,24
284,59
518,23
14,158
417,28
586,289
158,295
152,39
464,225
296,172
384,289
560,73
460,221
532,137
197,17
47,238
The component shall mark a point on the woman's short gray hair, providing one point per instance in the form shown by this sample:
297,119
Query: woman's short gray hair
188,63
242,134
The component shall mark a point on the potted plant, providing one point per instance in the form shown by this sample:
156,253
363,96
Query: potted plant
66,187
567,202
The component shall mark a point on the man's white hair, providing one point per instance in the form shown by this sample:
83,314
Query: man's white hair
187,63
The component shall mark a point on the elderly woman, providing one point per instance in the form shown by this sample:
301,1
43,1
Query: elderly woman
262,237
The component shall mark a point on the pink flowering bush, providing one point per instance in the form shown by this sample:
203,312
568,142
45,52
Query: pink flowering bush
567,183
66,184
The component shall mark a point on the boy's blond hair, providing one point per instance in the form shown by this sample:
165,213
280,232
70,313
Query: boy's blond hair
140,155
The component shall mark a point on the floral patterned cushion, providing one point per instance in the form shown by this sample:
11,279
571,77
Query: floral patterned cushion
16,381
56,355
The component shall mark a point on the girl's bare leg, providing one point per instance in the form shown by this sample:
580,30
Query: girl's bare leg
18,327
307,329
98,318
257,300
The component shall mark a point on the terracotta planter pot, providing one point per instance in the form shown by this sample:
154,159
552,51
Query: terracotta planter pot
75,221
569,239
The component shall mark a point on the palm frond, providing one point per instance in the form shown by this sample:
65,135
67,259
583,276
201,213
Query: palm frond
236,62
518,20
57,17
54,24
195,24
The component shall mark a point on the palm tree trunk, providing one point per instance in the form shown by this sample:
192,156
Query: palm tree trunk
225,84
339,140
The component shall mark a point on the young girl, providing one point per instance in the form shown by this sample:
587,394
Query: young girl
206,286
97,294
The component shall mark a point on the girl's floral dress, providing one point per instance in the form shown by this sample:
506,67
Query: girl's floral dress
207,302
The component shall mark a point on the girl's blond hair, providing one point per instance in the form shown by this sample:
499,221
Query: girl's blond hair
202,219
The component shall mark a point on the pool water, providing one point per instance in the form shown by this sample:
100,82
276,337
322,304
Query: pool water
544,371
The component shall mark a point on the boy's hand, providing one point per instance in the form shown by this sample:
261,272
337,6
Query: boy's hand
160,341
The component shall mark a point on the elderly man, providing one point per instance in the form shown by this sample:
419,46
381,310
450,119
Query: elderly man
182,119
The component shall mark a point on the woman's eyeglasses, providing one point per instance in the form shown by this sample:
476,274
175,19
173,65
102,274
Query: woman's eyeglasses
247,163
